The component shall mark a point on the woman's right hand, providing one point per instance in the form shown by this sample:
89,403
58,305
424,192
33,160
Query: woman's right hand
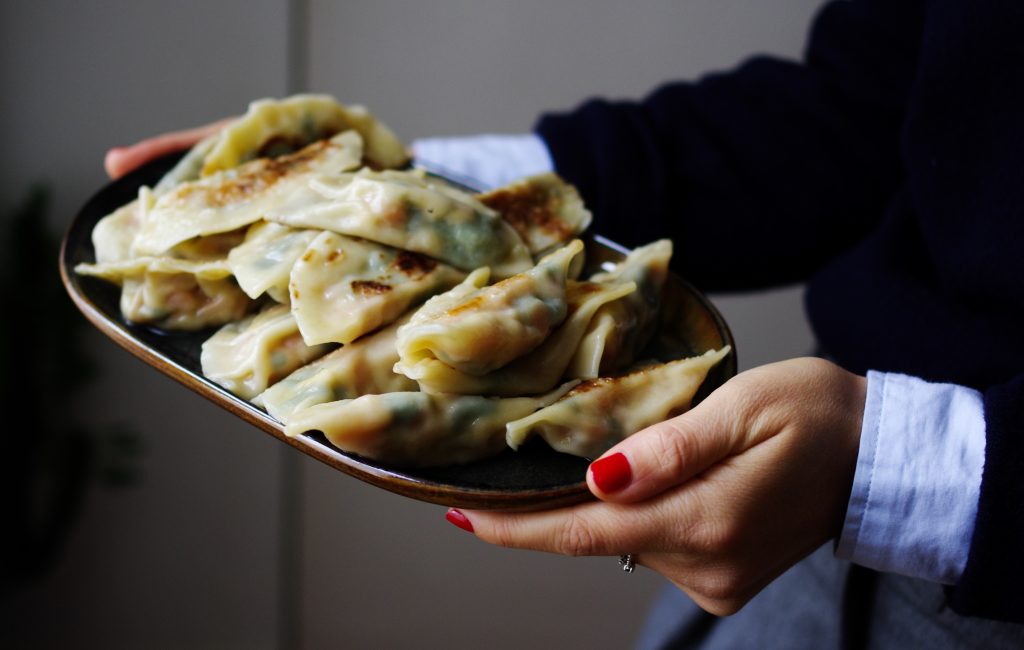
121,160
721,499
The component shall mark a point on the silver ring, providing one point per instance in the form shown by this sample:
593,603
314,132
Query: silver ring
627,562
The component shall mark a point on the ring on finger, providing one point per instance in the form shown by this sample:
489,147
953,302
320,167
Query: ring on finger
627,562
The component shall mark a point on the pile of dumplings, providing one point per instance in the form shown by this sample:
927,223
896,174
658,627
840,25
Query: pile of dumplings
409,321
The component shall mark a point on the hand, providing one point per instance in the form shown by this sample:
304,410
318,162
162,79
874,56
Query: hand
121,160
722,499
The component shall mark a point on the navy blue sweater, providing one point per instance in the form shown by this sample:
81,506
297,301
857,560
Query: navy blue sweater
886,170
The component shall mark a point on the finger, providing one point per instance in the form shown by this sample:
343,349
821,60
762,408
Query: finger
589,529
122,160
668,453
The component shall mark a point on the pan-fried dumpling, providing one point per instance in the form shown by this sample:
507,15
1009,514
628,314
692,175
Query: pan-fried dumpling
249,355
409,211
264,261
363,367
342,287
491,326
598,413
189,168
235,198
209,247
532,373
623,327
545,210
417,429
175,294
112,236
442,302
272,126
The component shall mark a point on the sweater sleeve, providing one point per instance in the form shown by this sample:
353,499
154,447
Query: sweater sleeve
990,584
761,174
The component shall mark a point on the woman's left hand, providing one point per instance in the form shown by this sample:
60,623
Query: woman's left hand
722,499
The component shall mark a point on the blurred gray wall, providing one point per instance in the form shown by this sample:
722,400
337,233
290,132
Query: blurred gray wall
233,540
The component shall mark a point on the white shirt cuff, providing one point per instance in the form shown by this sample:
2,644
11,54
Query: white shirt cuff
915,490
484,161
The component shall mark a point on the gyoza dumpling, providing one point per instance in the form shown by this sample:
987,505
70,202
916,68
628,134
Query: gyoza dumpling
409,211
342,288
292,123
417,429
597,414
235,198
112,236
189,168
535,372
545,210
491,326
263,262
622,328
175,294
363,367
208,247
442,302
247,356
273,128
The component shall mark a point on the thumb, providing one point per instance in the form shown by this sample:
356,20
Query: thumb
666,454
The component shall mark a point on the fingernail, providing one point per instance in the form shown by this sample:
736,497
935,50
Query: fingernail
611,474
456,517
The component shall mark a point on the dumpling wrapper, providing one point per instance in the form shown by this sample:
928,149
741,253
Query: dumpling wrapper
238,197
112,236
533,373
263,262
271,128
407,210
597,414
174,294
363,367
189,168
544,209
342,288
418,429
622,328
294,122
248,356
442,302
489,327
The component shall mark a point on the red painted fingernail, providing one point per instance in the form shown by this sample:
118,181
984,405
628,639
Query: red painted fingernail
611,474
456,517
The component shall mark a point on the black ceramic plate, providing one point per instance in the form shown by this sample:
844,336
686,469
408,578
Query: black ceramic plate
534,477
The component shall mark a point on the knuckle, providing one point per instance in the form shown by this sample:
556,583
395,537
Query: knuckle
503,533
722,587
718,537
575,538
709,534
671,449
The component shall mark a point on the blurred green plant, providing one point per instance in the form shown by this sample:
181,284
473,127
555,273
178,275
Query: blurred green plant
49,460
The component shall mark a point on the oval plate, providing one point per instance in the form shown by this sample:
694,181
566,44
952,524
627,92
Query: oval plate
535,477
